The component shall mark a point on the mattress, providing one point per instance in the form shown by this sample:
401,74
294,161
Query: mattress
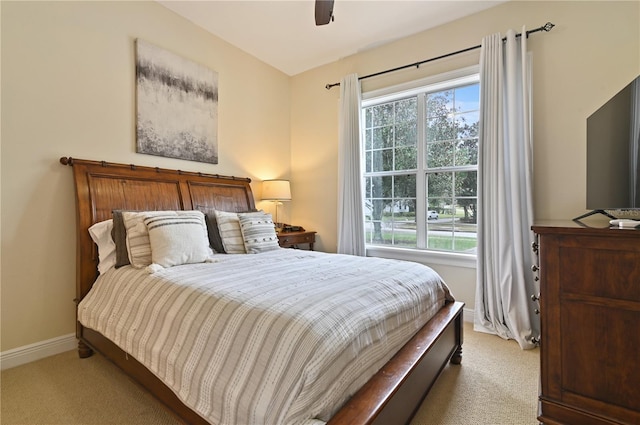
282,337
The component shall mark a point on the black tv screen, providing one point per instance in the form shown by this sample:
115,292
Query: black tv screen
613,152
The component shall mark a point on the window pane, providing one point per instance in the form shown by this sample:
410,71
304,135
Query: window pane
402,223
368,136
440,154
374,225
406,134
467,98
467,124
465,228
374,209
453,230
440,128
407,109
439,185
466,184
382,137
368,117
382,114
439,103
367,188
382,160
374,233
406,159
381,186
466,152
404,186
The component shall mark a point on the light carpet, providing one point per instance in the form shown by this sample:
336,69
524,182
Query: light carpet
496,384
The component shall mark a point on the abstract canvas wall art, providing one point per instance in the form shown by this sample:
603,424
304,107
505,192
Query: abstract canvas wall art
177,106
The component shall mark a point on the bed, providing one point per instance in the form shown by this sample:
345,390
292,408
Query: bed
389,394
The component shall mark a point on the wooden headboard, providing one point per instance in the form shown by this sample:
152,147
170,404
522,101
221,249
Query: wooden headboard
102,187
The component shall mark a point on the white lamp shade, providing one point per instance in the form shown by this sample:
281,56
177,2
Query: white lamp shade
276,190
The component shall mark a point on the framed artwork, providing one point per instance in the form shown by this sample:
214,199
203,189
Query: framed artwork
176,106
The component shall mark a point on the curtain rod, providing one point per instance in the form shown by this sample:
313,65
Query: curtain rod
546,27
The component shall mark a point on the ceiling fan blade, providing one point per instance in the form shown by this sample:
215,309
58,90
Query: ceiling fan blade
324,11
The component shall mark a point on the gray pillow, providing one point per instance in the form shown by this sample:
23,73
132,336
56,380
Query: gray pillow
214,233
119,234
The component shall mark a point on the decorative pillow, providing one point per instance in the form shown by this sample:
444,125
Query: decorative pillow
229,228
258,233
178,238
230,233
101,234
214,233
137,236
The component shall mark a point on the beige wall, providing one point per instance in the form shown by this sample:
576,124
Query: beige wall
592,53
68,89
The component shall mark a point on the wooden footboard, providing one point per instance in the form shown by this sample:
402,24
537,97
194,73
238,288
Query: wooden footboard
395,393
392,396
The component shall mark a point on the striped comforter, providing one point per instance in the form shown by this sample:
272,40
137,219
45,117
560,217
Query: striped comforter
282,337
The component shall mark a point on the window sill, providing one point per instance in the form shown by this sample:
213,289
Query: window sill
422,256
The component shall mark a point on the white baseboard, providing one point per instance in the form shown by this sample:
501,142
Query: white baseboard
39,350
467,315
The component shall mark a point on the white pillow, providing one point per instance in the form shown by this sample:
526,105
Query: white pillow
230,233
178,238
258,233
101,234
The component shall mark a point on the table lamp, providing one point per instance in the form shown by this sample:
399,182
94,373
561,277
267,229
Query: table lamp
276,191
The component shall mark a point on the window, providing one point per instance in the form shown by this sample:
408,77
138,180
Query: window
421,166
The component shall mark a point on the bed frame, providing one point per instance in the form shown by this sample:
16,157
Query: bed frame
391,396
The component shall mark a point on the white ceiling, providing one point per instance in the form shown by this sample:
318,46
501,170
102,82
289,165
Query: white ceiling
283,33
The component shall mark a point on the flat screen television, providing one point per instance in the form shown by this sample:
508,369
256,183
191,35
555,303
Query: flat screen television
613,156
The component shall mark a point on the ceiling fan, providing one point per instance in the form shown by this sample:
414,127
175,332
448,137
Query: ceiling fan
324,12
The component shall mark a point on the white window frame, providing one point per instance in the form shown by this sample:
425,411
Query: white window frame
438,82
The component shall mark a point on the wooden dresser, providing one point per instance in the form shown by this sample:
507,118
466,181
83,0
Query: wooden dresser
590,324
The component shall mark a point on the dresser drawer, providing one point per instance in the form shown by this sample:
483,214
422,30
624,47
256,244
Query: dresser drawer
589,268
293,239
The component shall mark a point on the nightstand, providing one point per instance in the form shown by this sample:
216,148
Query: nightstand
293,239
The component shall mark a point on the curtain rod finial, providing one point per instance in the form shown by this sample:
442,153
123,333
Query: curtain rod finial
548,26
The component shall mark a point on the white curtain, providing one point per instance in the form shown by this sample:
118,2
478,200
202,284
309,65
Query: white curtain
504,277
350,210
